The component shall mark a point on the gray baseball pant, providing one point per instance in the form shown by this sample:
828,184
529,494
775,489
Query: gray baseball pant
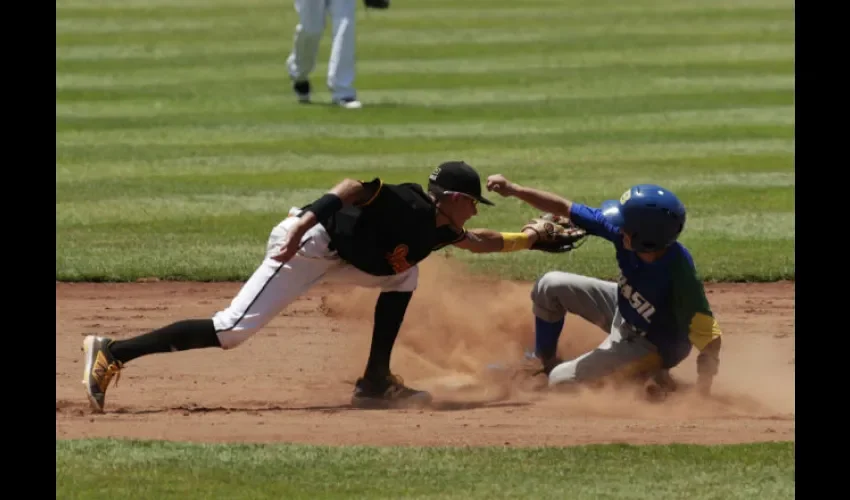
623,353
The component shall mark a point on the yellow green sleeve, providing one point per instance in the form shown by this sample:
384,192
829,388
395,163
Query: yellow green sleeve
694,315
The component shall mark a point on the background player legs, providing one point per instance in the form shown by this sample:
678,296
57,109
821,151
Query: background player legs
341,64
308,35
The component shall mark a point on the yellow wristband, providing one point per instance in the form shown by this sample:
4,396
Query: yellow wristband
511,242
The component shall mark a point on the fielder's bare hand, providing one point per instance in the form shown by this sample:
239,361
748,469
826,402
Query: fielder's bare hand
289,248
501,185
293,241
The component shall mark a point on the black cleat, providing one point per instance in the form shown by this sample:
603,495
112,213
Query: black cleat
390,393
302,90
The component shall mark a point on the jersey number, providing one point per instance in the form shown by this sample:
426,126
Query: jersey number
398,259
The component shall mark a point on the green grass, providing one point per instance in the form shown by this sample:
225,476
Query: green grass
160,470
179,145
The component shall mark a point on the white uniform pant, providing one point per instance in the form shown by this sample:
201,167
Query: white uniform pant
308,34
273,286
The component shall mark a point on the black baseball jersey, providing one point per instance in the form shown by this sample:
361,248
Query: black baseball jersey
391,232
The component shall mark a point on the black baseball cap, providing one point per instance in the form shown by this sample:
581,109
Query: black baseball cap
456,177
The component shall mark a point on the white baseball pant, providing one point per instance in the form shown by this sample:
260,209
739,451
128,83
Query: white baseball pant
623,353
274,286
308,34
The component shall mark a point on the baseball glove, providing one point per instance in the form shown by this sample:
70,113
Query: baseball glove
377,4
556,234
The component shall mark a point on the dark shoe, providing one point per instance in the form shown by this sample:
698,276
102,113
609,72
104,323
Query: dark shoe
390,393
100,368
302,90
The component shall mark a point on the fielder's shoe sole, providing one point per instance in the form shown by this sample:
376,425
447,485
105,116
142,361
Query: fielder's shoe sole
391,394
348,103
98,370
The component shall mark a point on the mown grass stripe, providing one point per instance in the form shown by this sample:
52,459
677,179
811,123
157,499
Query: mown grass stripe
379,146
85,45
169,109
253,65
129,16
599,157
763,226
142,209
383,45
763,82
274,132
567,105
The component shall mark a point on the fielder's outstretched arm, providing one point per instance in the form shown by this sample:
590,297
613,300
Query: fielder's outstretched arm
539,199
489,241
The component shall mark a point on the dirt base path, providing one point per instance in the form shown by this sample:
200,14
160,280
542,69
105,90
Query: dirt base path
292,381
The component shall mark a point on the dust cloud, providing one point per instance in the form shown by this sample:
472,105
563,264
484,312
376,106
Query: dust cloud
459,323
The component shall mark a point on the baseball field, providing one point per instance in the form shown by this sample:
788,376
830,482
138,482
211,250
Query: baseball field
179,145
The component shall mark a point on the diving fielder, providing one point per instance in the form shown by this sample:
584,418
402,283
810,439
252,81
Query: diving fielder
368,234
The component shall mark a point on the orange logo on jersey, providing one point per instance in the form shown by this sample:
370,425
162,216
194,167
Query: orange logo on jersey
398,259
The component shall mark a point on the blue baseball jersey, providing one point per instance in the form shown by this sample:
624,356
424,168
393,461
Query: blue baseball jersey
664,299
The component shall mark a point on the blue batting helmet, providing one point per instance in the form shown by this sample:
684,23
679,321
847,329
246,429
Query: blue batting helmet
611,211
651,215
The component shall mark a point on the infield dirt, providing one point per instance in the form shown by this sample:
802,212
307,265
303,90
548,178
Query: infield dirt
292,381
